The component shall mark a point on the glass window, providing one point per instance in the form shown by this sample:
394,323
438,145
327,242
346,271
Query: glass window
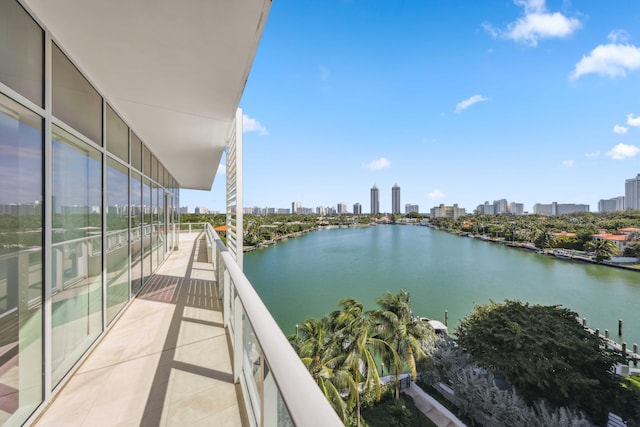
117,237
117,135
76,253
20,261
146,230
136,232
154,168
146,161
136,152
75,101
21,52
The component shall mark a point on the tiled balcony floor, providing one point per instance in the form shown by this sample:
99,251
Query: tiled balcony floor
166,360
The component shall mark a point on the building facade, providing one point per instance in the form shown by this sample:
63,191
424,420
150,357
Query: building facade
443,211
409,208
357,209
556,208
611,205
395,199
375,200
632,193
93,155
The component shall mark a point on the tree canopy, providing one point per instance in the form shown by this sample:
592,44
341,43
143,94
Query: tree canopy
546,354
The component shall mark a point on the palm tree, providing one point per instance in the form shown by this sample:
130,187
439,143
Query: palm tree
353,331
320,354
405,333
603,249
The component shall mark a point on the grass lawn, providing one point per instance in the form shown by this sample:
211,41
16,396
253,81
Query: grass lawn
385,415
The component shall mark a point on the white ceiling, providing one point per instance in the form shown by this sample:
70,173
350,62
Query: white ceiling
175,70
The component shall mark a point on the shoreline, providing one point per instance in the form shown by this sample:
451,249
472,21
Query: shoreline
558,253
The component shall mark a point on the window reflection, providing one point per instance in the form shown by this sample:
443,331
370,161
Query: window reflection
76,253
117,237
20,262
136,232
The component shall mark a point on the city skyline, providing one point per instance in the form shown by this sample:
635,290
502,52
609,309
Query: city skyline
457,104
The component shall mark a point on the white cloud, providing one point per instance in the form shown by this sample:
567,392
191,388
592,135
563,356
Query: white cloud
622,151
592,154
435,194
568,163
381,163
222,170
252,125
633,121
618,36
536,24
531,6
613,60
620,129
463,105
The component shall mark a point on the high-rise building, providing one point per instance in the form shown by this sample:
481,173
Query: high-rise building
556,208
409,208
395,199
501,206
295,207
342,208
611,205
632,193
443,211
516,208
375,200
357,209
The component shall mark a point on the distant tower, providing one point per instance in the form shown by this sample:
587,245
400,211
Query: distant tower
375,200
631,193
395,199
357,209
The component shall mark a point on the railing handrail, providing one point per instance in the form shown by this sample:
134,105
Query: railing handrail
305,402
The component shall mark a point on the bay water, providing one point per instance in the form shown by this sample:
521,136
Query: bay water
307,277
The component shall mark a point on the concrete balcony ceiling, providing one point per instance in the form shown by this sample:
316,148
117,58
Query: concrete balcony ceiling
174,70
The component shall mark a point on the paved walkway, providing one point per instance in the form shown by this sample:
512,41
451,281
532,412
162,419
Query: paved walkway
431,408
164,363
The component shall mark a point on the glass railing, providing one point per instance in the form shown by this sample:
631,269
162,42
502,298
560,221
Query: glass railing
276,386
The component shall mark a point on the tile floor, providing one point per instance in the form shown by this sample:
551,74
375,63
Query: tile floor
164,363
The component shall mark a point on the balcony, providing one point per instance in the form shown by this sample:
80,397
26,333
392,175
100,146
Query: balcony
196,347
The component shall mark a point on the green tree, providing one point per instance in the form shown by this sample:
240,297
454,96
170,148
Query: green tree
353,331
603,249
318,351
405,333
546,354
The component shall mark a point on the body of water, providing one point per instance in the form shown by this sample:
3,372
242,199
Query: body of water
307,277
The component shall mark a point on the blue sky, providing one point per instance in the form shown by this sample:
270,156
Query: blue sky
457,101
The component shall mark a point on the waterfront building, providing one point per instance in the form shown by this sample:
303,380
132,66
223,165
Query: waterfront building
103,106
357,209
443,211
632,193
375,200
556,208
500,206
611,205
516,208
395,199
409,208
342,208
283,211
295,206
